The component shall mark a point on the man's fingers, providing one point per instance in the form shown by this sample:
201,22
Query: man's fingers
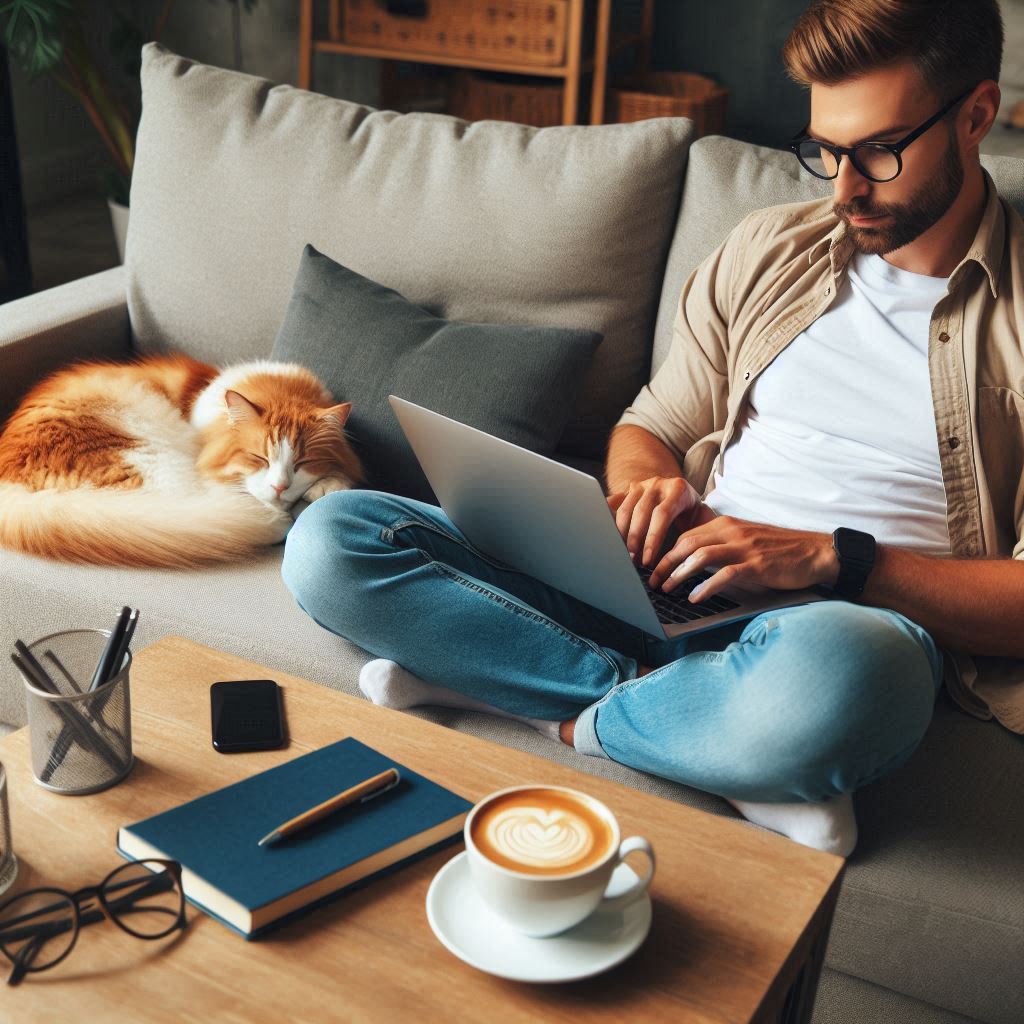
624,513
726,575
683,561
661,520
637,534
684,546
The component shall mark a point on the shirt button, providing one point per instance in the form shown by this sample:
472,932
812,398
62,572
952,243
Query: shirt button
828,290
943,336
954,442
746,376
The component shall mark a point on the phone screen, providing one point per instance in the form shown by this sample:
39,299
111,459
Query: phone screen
245,715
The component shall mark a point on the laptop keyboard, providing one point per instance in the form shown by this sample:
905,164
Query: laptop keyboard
676,607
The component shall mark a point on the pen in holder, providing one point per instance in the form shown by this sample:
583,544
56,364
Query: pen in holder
80,734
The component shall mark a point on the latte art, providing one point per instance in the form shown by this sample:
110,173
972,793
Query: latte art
543,831
540,838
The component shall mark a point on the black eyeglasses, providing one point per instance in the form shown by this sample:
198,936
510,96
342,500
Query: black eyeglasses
39,928
876,161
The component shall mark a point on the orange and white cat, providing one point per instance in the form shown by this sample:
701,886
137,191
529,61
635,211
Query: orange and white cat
166,461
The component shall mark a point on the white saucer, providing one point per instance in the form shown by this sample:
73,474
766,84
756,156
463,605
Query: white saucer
475,934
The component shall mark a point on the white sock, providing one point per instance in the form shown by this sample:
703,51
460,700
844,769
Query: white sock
389,685
829,825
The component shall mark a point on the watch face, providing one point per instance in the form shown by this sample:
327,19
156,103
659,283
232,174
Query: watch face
856,545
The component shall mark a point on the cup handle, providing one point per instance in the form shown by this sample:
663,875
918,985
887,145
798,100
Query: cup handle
635,891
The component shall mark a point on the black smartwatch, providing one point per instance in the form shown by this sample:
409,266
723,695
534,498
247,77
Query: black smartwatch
856,553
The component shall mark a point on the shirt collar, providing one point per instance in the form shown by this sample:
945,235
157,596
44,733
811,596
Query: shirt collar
840,248
986,250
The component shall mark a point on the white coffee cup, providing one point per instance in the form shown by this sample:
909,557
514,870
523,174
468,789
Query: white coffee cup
544,904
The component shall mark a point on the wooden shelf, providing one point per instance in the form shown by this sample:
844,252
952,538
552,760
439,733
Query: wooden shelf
412,57
618,44
570,71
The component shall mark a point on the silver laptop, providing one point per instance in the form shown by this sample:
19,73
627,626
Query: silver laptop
553,522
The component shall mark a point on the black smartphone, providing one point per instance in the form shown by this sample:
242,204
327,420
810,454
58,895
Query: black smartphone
245,714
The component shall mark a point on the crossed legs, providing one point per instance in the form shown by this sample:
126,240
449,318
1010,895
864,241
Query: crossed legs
801,704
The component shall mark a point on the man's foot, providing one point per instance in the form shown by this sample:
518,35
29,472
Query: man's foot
389,685
829,825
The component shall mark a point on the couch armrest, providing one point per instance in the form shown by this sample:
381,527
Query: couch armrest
85,319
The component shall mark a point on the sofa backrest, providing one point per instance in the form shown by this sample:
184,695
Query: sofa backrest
726,179
490,221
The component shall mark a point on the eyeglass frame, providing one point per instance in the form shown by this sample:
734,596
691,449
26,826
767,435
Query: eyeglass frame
84,916
895,148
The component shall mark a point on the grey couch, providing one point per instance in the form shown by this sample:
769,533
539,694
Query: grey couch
594,227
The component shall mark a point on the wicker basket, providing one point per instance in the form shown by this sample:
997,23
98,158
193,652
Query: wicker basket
478,96
670,94
502,31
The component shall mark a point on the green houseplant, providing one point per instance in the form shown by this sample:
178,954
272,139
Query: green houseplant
49,37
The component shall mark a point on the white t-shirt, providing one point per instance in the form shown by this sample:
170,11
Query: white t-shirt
841,426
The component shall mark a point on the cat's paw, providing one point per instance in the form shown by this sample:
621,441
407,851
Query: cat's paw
326,486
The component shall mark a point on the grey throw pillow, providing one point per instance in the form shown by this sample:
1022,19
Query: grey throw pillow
366,341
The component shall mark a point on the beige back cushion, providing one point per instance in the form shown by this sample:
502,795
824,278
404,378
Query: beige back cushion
490,221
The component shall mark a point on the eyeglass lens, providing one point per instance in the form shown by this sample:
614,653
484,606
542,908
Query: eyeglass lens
876,162
145,898
39,926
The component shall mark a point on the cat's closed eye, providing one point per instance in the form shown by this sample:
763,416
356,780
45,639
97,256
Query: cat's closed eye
259,458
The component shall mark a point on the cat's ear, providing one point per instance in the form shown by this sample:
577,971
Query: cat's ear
240,409
337,413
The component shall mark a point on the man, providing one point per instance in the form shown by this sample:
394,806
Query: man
844,384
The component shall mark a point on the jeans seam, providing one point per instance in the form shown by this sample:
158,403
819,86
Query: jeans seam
579,641
403,524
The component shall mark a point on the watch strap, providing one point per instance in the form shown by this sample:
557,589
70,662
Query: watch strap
856,553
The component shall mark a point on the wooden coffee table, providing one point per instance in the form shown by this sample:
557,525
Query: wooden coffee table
740,915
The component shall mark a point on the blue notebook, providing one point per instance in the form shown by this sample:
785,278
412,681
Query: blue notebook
251,888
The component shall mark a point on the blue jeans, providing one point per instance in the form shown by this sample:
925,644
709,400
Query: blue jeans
800,703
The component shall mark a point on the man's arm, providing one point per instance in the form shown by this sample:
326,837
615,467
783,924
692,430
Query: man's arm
635,454
975,606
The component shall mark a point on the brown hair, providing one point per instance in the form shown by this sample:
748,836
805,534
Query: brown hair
955,44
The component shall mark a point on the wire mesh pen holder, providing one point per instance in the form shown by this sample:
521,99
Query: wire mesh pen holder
81,738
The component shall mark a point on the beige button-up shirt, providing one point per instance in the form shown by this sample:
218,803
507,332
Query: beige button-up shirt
777,272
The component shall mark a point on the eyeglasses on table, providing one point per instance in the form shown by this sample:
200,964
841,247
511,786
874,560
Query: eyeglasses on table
39,928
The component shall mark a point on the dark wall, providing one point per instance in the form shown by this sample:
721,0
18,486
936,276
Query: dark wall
739,43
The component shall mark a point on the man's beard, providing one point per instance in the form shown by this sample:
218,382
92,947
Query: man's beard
908,221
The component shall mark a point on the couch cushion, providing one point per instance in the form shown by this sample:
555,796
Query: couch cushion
726,179
931,905
491,221
365,341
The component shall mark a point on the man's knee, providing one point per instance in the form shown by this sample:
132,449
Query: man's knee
869,680
321,545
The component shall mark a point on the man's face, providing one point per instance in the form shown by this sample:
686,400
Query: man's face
884,106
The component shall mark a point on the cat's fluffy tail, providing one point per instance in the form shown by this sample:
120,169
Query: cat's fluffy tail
137,528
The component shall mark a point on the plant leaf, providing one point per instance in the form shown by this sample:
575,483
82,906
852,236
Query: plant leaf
34,31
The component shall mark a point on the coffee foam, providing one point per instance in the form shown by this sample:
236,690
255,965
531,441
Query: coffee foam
540,831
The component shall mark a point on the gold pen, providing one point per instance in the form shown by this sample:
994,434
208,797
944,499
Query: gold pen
362,792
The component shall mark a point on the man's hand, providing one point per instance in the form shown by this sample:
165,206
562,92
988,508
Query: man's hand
747,552
645,512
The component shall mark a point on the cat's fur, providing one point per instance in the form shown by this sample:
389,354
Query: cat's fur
166,461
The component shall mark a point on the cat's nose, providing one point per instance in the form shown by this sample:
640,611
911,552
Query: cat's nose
279,488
